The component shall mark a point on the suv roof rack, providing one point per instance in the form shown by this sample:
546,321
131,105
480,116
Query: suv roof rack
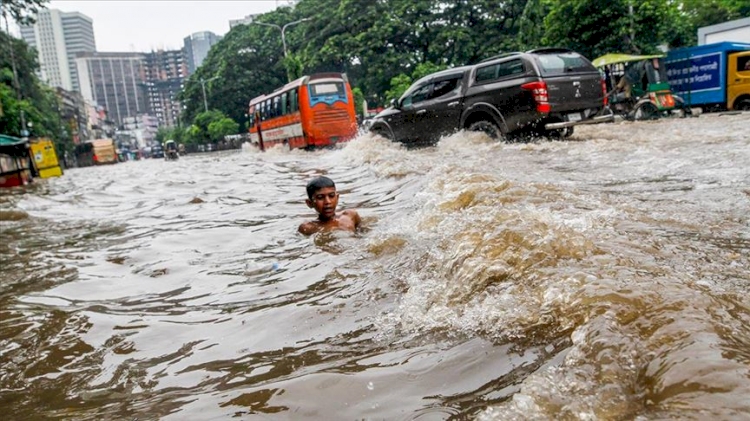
550,50
499,56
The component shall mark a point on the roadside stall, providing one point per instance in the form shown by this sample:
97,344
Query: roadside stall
16,165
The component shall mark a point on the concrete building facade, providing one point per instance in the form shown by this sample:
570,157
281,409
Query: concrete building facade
74,113
141,129
116,81
58,37
196,48
735,30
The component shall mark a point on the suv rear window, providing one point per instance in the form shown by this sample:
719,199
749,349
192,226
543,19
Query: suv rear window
499,70
559,63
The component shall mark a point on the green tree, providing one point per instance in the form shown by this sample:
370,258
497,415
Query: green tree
381,44
531,24
359,99
22,11
209,126
399,85
375,41
194,135
24,97
163,134
222,127
591,29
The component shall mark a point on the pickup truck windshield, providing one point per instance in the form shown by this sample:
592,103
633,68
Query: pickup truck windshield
560,63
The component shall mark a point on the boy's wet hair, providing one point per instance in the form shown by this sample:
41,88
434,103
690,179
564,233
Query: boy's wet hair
318,183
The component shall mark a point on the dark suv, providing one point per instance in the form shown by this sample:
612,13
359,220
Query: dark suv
546,90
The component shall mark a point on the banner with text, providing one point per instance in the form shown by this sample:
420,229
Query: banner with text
698,73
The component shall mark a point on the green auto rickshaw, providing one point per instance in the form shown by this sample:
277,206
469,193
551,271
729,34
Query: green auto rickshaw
637,86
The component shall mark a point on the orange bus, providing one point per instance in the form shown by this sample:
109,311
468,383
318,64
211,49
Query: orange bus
310,112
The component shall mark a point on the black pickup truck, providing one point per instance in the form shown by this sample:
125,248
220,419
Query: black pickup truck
546,90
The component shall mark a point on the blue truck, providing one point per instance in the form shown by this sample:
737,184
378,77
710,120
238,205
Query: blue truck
712,76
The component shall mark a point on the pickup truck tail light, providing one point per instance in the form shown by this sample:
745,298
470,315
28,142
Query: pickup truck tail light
604,92
541,97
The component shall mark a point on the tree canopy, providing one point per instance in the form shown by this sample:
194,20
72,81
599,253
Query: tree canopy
382,44
22,11
24,97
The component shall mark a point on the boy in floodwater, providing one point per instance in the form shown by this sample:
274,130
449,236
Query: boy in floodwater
323,197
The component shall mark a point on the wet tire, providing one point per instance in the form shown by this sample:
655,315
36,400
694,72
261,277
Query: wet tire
743,105
559,133
487,127
645,111
382,132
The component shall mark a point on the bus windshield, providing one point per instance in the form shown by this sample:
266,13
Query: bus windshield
327,89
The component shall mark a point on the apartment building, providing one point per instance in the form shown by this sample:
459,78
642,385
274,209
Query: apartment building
166,71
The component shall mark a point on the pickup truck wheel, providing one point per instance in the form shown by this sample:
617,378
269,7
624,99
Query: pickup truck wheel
382,132
488,128
559,133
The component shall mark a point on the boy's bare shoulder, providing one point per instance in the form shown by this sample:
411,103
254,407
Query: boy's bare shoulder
309,227
353,214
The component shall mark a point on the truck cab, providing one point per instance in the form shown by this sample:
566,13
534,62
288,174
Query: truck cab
738,81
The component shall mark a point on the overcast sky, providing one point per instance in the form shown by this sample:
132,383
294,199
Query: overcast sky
145,25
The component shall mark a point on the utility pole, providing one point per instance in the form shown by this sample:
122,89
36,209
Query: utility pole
283,37
283,30
16,84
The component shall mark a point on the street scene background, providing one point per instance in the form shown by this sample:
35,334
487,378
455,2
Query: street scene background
604,277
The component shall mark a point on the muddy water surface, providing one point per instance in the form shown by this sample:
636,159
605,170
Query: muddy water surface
603,277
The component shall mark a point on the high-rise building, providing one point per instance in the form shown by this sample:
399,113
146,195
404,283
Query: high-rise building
116,81
165,74
58,37
197,46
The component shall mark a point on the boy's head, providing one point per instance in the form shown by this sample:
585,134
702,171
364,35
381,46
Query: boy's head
318,183
322,196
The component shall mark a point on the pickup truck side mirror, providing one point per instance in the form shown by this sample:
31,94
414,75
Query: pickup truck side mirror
394,103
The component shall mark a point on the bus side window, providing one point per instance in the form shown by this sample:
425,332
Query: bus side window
294,106
276,107
284,109
269,111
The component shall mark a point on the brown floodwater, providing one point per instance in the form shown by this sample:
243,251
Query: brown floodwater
603,277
